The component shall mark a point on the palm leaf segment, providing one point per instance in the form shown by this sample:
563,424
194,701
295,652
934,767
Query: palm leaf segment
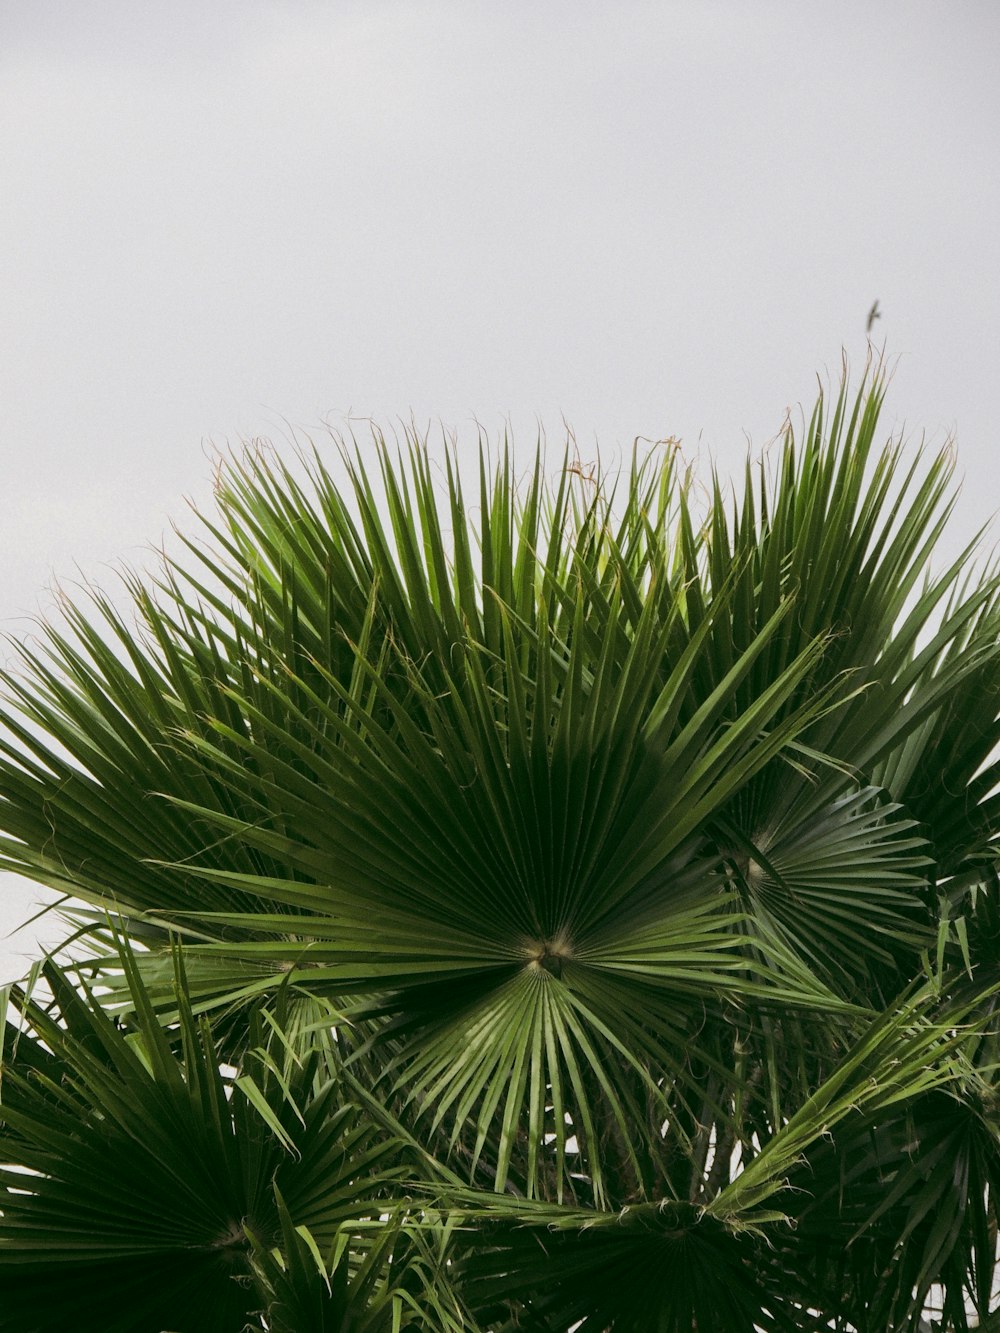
606,824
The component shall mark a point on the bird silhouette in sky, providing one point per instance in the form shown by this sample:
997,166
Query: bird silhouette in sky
873,315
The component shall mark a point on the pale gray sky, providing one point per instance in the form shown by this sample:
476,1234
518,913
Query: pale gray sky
647,218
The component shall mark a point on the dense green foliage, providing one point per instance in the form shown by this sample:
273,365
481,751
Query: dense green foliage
570,902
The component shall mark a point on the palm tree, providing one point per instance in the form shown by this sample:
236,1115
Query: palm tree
567,902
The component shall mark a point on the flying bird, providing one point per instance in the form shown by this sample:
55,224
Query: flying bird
873,315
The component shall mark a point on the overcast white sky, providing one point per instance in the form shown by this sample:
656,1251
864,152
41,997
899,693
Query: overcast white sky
647,218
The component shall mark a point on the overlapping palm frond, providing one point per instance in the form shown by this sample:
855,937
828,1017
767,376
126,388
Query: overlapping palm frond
744,1257
572,849
145,1187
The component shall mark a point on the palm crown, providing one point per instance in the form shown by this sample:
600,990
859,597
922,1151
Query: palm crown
558,903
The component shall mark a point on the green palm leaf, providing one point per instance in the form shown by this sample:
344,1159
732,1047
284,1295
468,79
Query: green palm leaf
576,842
137,1171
